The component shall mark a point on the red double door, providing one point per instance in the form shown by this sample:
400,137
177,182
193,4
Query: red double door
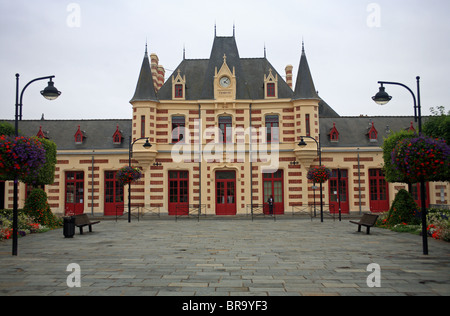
226,192
379,191
178,193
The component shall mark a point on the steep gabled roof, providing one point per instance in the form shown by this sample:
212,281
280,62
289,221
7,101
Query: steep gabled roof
224,46
145,90
304,87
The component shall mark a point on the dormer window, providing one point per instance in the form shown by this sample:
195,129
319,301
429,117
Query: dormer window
334,134
117,137
179,87
373,134
178,91
270,89
270,85
40,134
79,136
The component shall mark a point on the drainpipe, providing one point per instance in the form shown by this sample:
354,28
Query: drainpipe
92,188
251,162
200,158
359,183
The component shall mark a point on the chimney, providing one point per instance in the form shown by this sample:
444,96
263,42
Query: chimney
288,70
154,65
161,74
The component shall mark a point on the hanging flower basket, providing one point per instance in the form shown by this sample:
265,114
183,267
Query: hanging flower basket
127,175
20,157
319,174
422,157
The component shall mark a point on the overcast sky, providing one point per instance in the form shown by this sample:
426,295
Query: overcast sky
95,49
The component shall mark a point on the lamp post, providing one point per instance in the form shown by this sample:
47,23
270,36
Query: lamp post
383,98
147,145
319,153
50,93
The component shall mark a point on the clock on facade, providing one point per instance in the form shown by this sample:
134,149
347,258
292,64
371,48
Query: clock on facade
225,82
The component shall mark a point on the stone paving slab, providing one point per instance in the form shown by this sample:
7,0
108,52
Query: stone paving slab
225,258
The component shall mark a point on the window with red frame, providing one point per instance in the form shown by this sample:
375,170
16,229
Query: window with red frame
178,127
271,89
272,128
308,126
225,126
178,91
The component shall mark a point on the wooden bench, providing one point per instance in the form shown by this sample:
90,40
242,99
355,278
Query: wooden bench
367,220
83,220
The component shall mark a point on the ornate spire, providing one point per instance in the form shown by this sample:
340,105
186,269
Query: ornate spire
145,89
304,88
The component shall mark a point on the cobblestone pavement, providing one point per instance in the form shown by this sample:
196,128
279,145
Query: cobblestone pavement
223,257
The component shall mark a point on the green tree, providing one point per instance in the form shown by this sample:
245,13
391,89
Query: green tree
438,125
7,129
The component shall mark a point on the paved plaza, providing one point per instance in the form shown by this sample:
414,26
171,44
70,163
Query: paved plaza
225,257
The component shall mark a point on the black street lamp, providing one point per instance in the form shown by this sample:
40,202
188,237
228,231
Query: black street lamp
147,145
383,98
302,144
50,93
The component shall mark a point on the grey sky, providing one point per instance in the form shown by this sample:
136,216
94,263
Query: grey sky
348,45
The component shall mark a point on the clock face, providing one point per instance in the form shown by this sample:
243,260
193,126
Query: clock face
225,82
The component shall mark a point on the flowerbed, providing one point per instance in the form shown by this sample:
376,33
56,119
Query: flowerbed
25,225
438,225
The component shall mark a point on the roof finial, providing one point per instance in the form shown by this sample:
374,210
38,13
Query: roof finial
265,50
146,52
303,46
234,28
215,29
184,51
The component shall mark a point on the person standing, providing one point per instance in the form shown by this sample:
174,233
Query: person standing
270,201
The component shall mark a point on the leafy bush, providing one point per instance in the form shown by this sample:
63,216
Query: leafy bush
404,210
36,206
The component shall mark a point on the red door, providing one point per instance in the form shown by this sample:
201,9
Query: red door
343,191
415,188
225,193
114,202
379,193
178,193
273,186
74,192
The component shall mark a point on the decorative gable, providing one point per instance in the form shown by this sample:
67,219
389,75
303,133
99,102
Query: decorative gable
117,137
270,86
373,133
225,82
79,136
179,87
334,134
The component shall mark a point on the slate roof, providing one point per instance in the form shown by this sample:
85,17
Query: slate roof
249,74
98,134
353,129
